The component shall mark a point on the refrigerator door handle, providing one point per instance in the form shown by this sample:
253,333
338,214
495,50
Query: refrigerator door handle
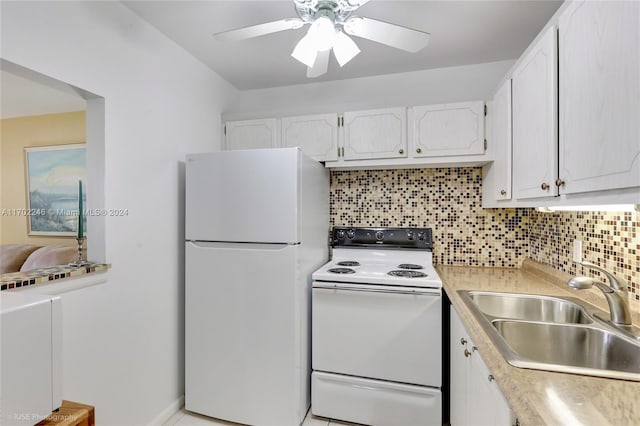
240,246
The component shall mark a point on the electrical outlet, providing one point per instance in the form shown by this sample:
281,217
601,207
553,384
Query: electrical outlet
577,251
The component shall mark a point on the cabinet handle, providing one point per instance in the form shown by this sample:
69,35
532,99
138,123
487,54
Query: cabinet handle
418,150
491,378
401,151
559,183
463,341
544,186
474,348
503,192
467,354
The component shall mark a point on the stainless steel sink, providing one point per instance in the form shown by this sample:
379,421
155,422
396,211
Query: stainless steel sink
529,307
555,334
566,348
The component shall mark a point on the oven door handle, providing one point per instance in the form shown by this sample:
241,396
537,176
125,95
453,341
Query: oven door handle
380,289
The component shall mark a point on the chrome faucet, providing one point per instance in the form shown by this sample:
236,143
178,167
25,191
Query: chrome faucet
615,293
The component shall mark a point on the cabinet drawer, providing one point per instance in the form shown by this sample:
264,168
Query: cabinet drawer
374,402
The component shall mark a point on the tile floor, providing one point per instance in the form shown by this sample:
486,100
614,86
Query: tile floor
186,418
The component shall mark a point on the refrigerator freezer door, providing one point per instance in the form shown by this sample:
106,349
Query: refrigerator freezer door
247,356
243,196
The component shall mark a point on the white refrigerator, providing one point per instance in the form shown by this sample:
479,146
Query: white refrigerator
256,227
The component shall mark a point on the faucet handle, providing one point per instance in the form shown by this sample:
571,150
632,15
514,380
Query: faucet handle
614,282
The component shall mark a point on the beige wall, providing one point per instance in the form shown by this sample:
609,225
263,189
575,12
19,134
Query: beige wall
15,135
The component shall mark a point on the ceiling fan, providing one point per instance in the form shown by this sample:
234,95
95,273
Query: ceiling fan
329,20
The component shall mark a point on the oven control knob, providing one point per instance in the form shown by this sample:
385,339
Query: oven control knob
340,234
379,235
410,235
351,233
421,236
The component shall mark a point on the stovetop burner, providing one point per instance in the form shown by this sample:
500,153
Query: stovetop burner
342,271
404,273
348,263
410,266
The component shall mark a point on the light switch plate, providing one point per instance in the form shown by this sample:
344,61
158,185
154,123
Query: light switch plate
577,251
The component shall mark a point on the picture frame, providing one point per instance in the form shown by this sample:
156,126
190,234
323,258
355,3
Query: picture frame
52,175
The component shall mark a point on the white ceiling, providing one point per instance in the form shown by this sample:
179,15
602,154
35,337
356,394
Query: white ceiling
21,97
462,33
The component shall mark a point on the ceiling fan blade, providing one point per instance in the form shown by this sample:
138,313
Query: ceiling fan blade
357,3
390,34
259,30
344,48
320,66
305,51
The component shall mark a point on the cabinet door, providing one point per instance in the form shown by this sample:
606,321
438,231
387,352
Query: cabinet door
315,135
374,134
251,134
501,140
450,129
599,96
487,406
535,142
459,375
475,399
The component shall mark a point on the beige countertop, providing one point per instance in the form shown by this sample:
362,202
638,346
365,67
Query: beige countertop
542,397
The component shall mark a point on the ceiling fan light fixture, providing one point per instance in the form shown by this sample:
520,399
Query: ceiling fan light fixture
331,24
305,51
344,48
323,32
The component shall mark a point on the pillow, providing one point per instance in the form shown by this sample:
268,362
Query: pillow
50,256
12,256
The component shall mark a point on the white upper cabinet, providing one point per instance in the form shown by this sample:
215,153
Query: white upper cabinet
535,129
599,61
373,134
501,140
448,130
448,135
251,134
315,135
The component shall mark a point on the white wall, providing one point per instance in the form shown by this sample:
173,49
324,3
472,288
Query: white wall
442,85
123,340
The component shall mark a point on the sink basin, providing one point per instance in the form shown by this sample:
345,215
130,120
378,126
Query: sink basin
555,334
570,348
529,307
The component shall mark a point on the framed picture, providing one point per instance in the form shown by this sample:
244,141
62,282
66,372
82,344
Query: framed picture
52,174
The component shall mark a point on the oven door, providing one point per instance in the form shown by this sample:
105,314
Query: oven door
381,332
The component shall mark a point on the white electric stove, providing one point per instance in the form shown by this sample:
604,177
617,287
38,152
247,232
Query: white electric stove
377,329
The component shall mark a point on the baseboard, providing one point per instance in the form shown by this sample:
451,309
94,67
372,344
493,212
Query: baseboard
166,414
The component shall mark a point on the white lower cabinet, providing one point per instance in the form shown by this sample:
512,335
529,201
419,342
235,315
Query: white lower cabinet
475,399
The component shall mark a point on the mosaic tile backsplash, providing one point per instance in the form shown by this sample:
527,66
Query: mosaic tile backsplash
449,200
446,199
610,240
